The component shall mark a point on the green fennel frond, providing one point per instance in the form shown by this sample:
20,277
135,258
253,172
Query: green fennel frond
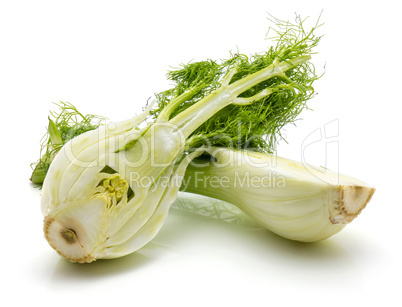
64,125
254,126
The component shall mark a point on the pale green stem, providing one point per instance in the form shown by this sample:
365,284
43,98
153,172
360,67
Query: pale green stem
229,76
250,100
173,104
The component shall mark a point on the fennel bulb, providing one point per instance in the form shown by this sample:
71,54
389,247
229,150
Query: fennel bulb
107,191
93,211
295,201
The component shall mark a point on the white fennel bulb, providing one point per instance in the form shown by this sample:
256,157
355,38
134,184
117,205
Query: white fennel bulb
293,200
94,200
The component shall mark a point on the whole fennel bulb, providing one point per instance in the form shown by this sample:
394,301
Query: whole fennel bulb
293,200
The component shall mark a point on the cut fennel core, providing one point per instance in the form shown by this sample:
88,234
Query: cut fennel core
108,191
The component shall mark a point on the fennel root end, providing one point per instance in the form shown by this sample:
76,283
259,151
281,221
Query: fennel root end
349,202
65,241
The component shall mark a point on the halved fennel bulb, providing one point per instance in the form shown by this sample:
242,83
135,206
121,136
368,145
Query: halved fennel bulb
293,200
95,200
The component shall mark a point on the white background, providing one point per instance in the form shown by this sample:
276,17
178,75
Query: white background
109,57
